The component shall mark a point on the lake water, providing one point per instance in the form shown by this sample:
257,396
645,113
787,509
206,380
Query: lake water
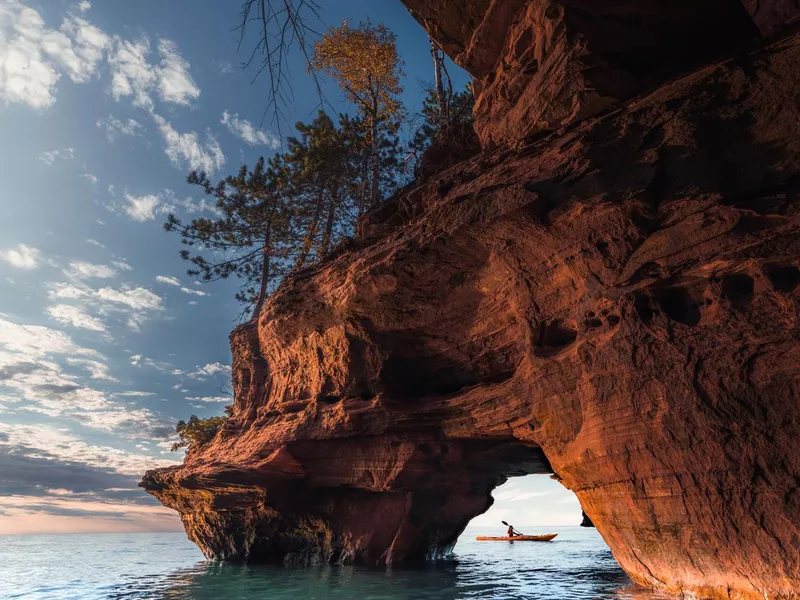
575,566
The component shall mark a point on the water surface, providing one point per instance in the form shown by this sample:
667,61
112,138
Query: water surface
575,566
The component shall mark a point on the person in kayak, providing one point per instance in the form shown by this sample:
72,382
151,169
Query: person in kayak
511,532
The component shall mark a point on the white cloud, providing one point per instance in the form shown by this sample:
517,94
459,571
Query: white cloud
137,360
175,83
168,280
50,157
68,291
245,131
90,178
33,56
122,265
142,208
26,76
186,148
138,298
516,495
135,394
22,257
186,290
188,204
115,128
209,370
84,6
75,316
210,399
85,270
65,446
96,369
223,67
133,75
77,48
94,243
135,303
33,342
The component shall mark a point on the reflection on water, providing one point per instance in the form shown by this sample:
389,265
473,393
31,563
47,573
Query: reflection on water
575,566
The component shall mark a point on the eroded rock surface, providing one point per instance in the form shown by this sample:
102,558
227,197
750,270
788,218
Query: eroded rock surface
540,65
616,303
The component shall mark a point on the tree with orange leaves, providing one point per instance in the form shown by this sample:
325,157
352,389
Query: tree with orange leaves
365,64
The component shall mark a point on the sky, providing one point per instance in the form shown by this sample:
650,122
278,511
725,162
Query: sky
105,342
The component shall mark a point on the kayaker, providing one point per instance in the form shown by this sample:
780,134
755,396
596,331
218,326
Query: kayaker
511,532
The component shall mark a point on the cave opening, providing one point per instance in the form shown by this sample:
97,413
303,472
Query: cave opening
533,504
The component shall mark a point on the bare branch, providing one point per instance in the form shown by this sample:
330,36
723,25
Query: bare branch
283,24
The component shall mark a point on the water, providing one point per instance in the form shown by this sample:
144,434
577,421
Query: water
576,566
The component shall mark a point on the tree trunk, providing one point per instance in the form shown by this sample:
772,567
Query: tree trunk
437,73
327,235
374,200
362,203
262,292
312,231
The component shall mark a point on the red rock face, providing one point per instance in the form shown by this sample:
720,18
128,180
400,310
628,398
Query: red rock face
540,65
616,303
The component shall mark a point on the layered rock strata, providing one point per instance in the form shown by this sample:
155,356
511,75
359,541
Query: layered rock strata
540,65
615,303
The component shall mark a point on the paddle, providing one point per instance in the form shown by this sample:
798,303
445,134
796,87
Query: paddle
512,527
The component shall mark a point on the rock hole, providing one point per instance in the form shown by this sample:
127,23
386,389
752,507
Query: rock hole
425,448
679,306
653,139
330,399
499,377
594,323
552,12
738,288
555,337
456,279
444,188
641,304
613,319
784,278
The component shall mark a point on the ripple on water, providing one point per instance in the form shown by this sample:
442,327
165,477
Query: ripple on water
576,566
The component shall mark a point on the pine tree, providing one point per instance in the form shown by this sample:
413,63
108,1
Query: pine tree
433,128
322,166
253,236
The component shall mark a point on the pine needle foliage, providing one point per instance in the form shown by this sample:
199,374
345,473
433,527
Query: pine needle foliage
252,236
197,432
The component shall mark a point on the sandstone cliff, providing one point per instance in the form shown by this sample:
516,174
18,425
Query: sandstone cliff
608,293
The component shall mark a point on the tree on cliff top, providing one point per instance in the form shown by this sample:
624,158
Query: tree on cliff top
322,169
197,432
452,130
251,239
365,63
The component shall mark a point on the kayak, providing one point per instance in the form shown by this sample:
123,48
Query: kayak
519,538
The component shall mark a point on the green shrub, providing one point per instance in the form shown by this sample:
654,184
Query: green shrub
197,432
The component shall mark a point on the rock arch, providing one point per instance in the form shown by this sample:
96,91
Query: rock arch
639,338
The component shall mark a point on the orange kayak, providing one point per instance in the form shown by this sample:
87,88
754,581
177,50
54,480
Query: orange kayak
519,538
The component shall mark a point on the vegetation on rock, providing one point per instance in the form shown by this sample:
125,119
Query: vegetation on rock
197,432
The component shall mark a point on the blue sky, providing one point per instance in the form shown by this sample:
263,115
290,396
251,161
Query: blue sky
104,341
